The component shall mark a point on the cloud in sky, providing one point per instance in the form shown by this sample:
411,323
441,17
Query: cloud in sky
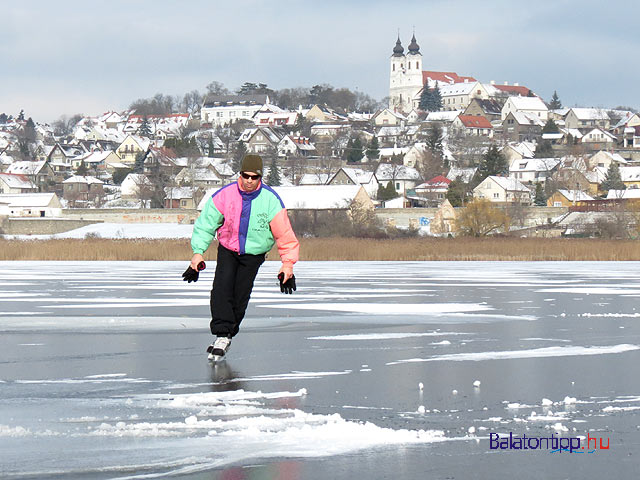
88,57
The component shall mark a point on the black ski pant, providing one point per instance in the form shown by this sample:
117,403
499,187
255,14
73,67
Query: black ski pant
232,287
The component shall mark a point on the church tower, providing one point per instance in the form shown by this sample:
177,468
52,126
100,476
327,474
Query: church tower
405,76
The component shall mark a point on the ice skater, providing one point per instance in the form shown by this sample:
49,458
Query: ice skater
249,217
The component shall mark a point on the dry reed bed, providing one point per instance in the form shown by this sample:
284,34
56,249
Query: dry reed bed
511,249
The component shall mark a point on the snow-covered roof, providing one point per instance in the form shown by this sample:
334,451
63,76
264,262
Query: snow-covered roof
534,164
17,181
357,175
630,174
590,113
445,116
526,149
624,194
390,171
178,193
524,118
314,179
528,103
29,199
457,89
26,167
95,157
614,157
318,197
80,179
509,184
575,195
466,174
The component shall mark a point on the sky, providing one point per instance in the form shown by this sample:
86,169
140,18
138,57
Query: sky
67,57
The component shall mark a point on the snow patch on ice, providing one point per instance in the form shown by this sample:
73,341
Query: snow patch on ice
382,336
532,353
388,308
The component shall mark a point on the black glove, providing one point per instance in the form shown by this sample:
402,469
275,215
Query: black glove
191,275
289,286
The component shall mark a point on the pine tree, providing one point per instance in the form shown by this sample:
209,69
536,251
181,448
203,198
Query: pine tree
273,179
540,198
550,127
144,130
239,152
82,169
613,179
347,150
210,147
373,149
387,192
544,149
434,139
139,165
355,152
457,193
555,102
493,163
437,99
21,116
426,99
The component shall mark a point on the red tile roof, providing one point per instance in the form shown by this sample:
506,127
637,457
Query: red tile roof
439,180
444,77
514,89
474,121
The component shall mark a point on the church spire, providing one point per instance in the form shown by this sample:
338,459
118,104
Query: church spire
413,46
398,50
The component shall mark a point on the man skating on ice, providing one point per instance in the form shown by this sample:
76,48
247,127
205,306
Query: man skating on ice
249,217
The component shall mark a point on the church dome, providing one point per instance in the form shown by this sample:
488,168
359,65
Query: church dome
413,46
398,50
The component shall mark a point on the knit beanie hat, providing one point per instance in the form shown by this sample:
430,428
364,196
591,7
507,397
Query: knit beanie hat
252,163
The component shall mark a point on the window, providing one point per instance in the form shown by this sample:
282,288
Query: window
496,195
557,204
183,203
417,66
409,65
394,67
219,114
398,186
478,92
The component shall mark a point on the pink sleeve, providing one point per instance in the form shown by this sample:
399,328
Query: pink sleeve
288,245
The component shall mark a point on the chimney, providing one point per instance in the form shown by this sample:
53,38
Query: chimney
492,82
506,83
516,84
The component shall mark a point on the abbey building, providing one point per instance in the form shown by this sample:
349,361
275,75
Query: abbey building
407,78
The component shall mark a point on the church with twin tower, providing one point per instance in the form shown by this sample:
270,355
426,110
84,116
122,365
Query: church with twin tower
407,79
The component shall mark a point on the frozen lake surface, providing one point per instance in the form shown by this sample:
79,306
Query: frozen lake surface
370,370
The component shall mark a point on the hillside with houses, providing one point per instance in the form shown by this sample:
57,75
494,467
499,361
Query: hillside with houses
441,141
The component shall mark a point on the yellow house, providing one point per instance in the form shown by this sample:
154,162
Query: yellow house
388,118
131,146
567,198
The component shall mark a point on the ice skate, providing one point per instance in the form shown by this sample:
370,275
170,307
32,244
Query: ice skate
219,348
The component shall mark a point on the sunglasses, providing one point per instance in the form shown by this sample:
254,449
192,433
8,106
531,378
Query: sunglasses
246,176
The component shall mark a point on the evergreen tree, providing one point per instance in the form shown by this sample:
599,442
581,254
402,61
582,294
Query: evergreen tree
239,152
544,149
82,169
3,118
21,116
373,149
355,152
144,130
426,99
139,165
210,147
555,102
437,99
273,180
387,192
550,127
434,139
457,193
493,163
345,153
613,179
540,198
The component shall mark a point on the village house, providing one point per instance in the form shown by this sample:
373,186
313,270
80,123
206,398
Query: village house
487,108
79,190
534,106
533,170
459,95
518,151
39,173
323,114
182,197
129,149
503,190
135,186
567,198
473,126
388,117
630,176
204,177
599,138
221,110
14,183
522,127
356,176
30,205
295,146
314,179
403,178
587,117
433,191
261,139
604,159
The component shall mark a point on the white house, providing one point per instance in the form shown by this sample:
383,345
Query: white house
532,105
403,178
502,189
603,159
221,110
314,179
30,205
598,135
459,95
133,183
533,170
12,183
297,146
587,117
356,176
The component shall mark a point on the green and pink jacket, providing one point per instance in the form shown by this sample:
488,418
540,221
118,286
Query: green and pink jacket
246,222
